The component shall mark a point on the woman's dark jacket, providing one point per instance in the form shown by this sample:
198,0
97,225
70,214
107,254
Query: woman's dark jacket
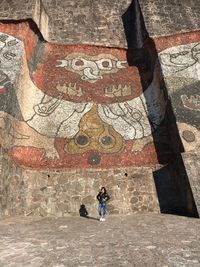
103,197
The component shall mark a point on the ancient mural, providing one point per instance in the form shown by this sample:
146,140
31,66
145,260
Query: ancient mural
181,69
84,106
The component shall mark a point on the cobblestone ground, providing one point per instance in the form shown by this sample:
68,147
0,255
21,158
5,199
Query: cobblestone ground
139,240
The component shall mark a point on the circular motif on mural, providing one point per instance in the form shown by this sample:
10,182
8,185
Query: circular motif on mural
136,115
82,140
106,140
94,160
188,136
79,62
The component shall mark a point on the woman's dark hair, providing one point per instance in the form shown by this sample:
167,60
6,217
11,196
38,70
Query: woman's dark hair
104,189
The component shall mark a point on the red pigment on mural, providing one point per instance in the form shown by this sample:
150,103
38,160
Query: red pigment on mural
23,32
2,91
48,77
35,158
165,42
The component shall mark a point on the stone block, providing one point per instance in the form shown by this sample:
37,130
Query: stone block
192,168
128,194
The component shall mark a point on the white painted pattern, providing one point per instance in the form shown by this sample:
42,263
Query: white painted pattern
181,61
11,51
55,117
140,116
91,68
131,118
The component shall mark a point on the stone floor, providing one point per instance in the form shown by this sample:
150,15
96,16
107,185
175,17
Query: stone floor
139,240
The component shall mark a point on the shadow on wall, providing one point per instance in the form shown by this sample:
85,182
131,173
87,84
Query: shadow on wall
33,26
173,189
142,54
84,213
172,183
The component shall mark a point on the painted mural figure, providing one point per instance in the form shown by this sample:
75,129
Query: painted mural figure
102,197
88,104
91,68
86,124
181,68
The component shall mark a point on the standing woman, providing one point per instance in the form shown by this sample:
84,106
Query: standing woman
102,197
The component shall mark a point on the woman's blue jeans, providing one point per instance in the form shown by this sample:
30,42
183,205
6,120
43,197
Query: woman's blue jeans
102,209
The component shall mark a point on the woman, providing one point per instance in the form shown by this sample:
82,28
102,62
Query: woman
102,197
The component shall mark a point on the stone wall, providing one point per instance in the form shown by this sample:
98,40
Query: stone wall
174,188
100,22
192,167
75,117
12,197
61,193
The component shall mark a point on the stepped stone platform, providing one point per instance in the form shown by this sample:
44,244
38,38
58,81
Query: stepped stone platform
141,240
99,93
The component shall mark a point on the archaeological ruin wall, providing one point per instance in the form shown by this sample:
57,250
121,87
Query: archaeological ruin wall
76,115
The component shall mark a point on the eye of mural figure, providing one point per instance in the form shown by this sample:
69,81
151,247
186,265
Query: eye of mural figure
82,140
79,62
106,140
104,64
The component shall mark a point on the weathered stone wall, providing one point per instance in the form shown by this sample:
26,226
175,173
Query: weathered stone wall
69,112
173,187
100,22
12,197
29,192
181,70
192,167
